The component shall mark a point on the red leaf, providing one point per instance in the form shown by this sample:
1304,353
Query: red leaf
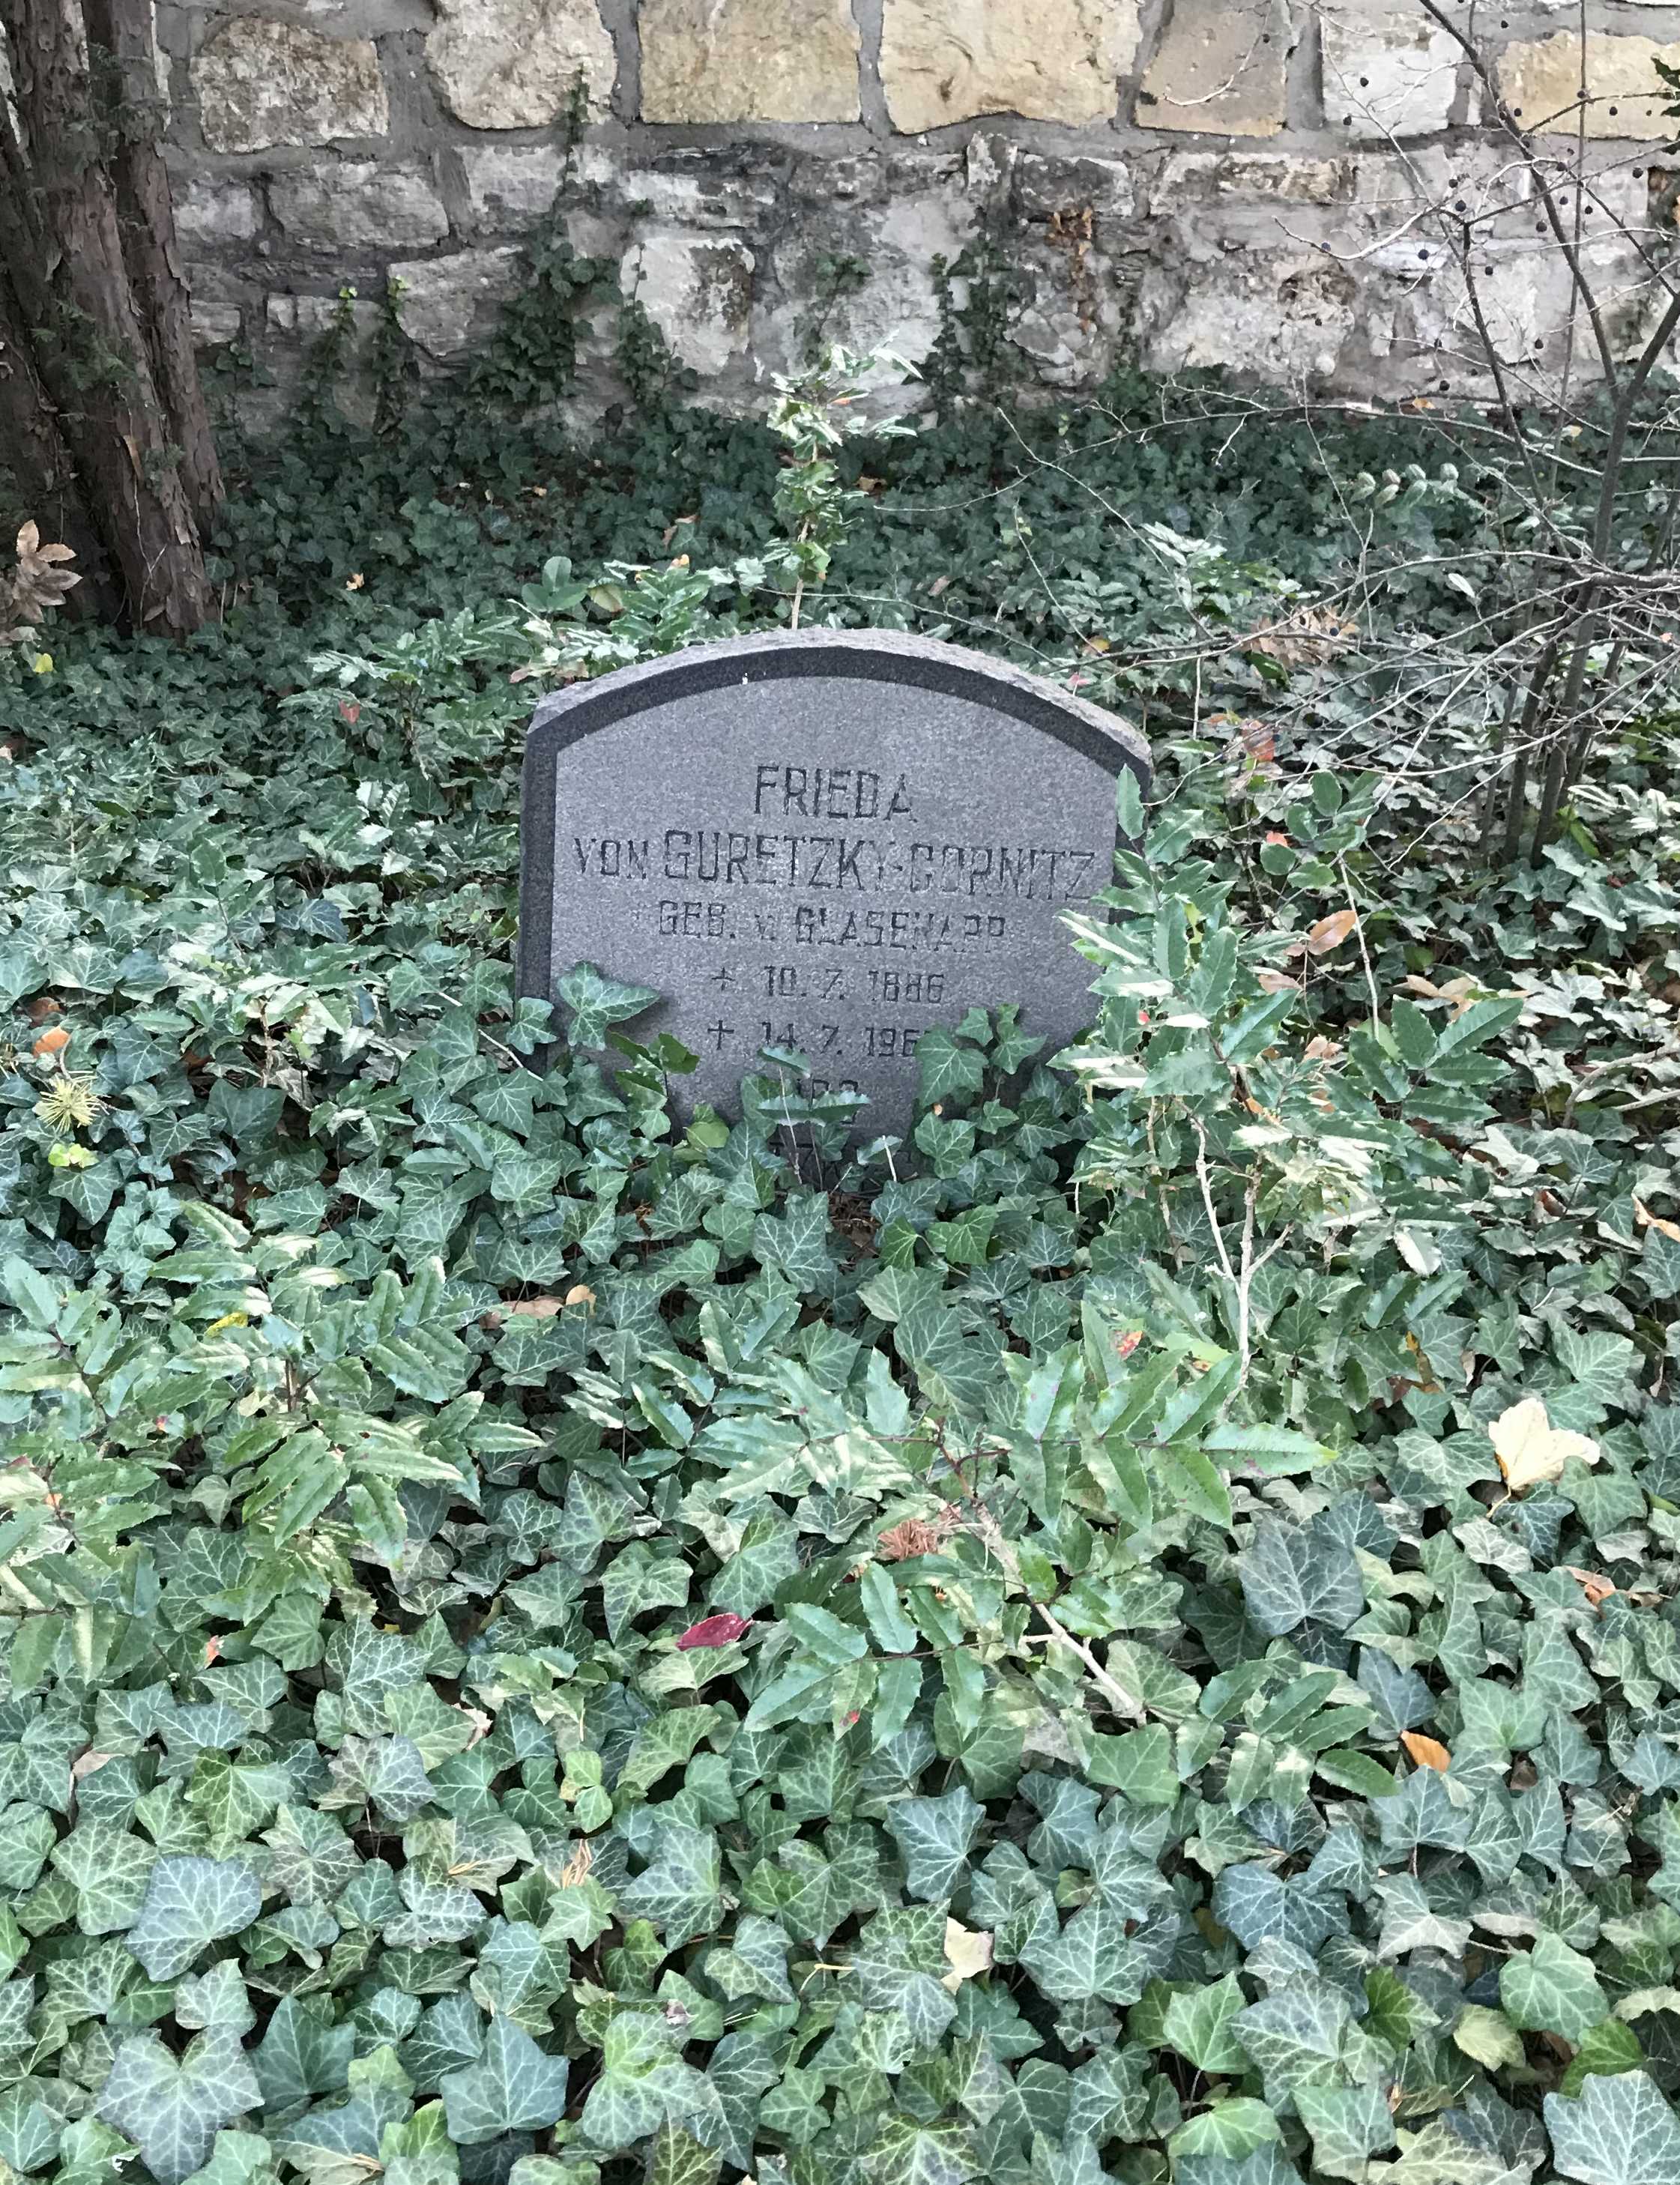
713,1631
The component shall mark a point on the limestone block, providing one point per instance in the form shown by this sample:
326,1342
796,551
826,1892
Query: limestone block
895,307
1284,315
749,60
448,304
355,205
697,289
260,83
694,195
1540,80
1389,71
1220,67
1252,178
1055,60
213,324
207,209
1047,184
513,63
512,185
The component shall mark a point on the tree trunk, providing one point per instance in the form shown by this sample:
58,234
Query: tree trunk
87,329
122,29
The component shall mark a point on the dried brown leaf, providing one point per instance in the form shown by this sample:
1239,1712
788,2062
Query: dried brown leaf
1331,932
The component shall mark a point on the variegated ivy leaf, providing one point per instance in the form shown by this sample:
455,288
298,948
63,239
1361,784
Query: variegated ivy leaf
1292,1575
1551,1989
109,1868
1618,2130
302,2054
933,1836
514,2085
189,1904
172,2108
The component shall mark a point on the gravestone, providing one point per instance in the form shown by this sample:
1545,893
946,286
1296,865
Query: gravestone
823,840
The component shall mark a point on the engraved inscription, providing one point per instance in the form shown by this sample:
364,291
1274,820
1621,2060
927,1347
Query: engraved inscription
712,865
828,842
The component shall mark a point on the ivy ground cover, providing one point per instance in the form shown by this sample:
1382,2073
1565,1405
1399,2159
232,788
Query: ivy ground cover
1133,1636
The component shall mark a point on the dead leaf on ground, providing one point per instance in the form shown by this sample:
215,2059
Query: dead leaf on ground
542,1307
1593,1583
1331,932
1427,1751
1646,1219
576,1869
967,1953
911,1536
1529,1449
1276,982
580,1294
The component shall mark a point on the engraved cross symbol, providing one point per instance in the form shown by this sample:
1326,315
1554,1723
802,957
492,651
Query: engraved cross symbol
723,978
720,1032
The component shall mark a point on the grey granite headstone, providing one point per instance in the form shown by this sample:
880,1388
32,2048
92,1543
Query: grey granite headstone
828,841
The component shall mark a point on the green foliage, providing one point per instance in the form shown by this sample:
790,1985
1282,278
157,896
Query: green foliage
542,1642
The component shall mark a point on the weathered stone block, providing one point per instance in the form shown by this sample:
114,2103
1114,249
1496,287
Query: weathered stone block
1222,68
209,210
697,289
448,304
514,64
354,205
1284,313
1252,178
694,195
1389,71
213,324
1057,60
1046,184
512,185
260,83
1541,81
749,60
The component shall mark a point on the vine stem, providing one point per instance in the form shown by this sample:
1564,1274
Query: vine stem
1126,1703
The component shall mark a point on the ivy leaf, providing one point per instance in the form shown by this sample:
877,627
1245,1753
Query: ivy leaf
1198,2025
173,2109
1619,2131
514,2086
1231,2129
301,2055
1551,1989
596,1003
1290,1576
933,1836
189,1904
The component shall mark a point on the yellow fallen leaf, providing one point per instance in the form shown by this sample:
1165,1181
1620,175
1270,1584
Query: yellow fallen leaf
1531,1449
966,1953
580,1294
1427,1751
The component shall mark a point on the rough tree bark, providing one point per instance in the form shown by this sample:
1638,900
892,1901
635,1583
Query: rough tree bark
101,330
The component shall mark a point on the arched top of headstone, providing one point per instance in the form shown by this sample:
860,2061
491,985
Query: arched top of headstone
827,840
850,655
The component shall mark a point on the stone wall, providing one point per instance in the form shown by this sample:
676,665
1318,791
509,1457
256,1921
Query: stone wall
1267,184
